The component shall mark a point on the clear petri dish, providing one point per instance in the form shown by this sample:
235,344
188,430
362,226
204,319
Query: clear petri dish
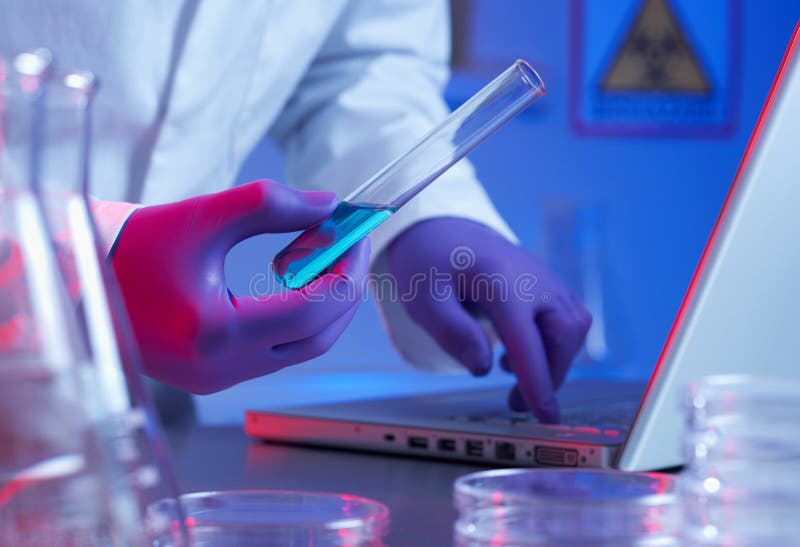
278,517
566,507
743,461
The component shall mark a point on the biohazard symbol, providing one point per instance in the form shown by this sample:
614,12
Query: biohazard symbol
656,56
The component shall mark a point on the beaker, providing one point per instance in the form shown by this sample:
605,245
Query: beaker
55,481
384,193
126,420
573,245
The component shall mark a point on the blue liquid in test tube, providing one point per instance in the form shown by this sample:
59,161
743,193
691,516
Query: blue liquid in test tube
321,245
317,248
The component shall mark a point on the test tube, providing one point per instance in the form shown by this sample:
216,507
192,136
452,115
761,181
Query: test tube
318,247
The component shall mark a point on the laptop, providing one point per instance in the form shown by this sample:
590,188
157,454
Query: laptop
739,315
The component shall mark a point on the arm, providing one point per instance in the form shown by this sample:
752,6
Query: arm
373,90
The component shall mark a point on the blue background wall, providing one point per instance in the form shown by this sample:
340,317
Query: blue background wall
659,198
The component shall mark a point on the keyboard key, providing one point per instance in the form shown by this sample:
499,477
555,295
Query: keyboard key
499,420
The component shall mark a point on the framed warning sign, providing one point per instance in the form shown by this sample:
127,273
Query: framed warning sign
654,67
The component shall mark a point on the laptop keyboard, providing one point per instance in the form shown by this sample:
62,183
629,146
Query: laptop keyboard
613,416
616,414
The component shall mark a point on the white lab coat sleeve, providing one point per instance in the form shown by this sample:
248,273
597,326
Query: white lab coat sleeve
373,90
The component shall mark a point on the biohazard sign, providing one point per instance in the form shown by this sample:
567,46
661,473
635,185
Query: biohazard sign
656,56
660,67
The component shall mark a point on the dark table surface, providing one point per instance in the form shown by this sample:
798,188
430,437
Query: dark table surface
418,492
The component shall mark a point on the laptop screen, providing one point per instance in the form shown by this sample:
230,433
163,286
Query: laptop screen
739,314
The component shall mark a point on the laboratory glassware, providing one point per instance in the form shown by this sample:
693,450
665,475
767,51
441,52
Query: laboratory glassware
569,507
384,193
274,518
740,485
127,420
55,481
573,245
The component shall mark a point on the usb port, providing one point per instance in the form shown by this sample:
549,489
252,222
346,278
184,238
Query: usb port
417,442
505,451
474,448
446,445
389,438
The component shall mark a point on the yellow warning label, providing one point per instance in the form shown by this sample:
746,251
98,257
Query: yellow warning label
655,56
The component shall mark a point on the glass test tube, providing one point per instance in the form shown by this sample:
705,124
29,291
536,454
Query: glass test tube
378,198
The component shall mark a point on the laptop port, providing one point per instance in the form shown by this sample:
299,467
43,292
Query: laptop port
389,438
446,445
474,448
505,451
552,455
418,442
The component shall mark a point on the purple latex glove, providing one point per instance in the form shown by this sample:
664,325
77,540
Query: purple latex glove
541,323
192,331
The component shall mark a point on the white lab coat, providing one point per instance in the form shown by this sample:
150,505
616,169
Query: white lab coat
189,88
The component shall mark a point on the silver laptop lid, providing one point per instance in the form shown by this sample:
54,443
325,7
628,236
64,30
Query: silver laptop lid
742,309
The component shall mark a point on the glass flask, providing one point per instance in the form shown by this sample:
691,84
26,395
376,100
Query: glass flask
379,197
126,420
55,481
569,507
77,453
740,485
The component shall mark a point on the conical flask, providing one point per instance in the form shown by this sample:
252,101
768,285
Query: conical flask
55,477
128,423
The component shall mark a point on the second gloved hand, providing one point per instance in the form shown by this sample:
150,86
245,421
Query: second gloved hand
454,270
193,333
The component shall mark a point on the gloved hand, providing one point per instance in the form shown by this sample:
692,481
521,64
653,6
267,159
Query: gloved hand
541,323
193,333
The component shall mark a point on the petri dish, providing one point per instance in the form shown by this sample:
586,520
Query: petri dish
566,507
743,461
278,517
